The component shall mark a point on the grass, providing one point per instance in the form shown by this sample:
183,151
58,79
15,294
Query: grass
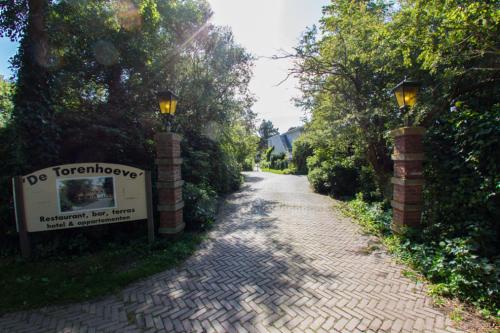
32,284
288,171
279,172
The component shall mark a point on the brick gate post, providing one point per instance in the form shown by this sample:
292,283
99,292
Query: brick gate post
170,204
408,179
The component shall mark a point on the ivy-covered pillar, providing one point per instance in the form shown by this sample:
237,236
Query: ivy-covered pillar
408,178
170,204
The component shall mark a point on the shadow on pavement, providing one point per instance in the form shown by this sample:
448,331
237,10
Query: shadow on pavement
245,276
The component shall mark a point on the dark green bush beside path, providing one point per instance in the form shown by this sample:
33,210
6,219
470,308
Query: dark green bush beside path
450,264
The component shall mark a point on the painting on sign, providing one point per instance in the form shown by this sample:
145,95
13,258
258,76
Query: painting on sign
83,194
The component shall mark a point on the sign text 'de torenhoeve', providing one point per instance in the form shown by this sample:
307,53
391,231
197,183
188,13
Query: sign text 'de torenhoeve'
84,194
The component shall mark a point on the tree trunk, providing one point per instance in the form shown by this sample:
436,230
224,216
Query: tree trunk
382,165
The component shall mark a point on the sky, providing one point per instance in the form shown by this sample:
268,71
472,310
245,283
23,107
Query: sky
265,28
7,50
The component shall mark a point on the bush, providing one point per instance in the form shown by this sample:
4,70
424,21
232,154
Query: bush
265,165
463,178
451,263
205,162
454,264
248,164
200,205
278,161
268,153
302,149
339,178
8,234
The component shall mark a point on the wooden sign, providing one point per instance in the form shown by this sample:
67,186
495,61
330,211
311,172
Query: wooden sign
81,195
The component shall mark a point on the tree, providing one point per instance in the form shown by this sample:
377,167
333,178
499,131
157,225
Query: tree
266,130
346,72
301,150
73,190
108,186
6,104
33,114
90,94
344,81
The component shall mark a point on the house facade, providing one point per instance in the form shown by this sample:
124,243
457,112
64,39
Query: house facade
283,143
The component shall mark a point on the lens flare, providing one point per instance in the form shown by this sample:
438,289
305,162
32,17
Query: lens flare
106,53
128,15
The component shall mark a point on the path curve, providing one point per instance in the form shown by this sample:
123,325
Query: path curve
280,259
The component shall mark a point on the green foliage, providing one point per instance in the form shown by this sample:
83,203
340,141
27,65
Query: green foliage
346,72
452,263
242,145
200,205
206,162
248,164
301,150
288,171
7,150
276,161
339,170
91,95
344,79
462,195
336,177
6,103
63,279
266,130
268,153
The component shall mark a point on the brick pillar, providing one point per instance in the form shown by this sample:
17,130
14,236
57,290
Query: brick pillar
170,204
408,179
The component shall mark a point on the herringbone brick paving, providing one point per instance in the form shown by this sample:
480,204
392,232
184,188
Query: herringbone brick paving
280,259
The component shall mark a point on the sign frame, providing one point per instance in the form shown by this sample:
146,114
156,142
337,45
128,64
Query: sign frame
20,208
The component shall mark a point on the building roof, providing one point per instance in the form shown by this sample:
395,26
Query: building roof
284,139
294,129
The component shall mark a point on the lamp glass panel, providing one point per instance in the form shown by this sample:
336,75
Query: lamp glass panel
400,96
410,95
173,106
164,106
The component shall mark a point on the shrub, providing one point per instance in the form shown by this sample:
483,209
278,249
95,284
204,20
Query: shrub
264,165
205,162
454,264
339,178
248,164
291,170
278,161
451,263
302,149
200,205
8,234
268,153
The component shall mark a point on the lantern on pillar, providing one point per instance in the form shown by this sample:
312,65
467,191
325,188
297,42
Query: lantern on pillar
408,155
406,93
167,101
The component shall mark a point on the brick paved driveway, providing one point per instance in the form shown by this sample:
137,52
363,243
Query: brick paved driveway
280,259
